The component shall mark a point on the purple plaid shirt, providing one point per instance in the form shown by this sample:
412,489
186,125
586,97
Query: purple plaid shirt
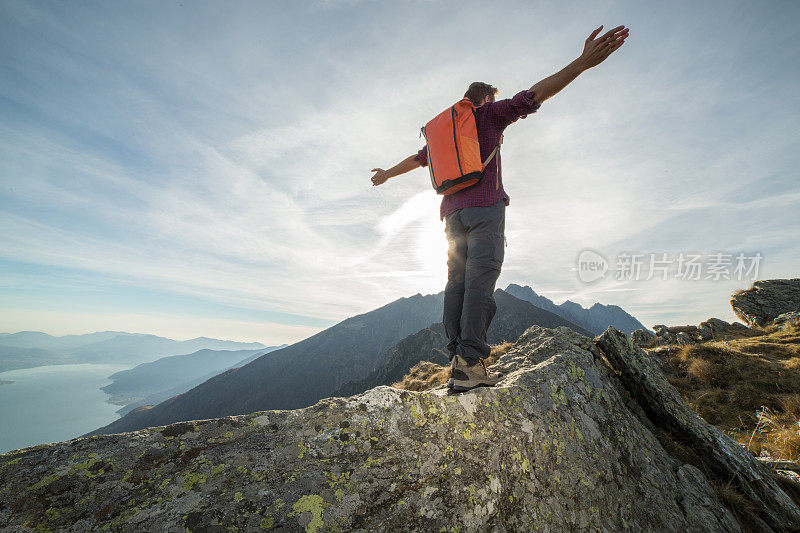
491,119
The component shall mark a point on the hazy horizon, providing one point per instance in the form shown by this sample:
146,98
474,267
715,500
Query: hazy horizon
123,332
202,169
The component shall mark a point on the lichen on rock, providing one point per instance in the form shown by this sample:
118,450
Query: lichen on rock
557,445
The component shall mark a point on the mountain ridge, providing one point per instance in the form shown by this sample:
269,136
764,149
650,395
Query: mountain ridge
594,319
169,373
512,318
289,379
299,374
29,349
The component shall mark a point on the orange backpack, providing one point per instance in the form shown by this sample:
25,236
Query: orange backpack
454,153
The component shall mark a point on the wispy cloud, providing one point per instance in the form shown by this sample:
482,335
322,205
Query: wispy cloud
222,153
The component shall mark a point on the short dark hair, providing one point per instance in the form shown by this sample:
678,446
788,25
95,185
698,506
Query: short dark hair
478,90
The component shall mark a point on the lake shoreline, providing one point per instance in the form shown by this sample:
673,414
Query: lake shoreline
54,403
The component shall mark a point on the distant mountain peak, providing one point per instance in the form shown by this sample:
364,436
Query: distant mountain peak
595,319
105,346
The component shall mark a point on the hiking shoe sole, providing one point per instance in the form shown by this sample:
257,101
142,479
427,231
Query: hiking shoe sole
463,386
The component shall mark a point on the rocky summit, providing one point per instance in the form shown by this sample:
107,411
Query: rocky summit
766,300
567,441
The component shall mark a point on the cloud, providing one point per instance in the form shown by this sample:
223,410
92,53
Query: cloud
223,154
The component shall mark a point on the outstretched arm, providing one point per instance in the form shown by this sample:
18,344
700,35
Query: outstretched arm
595,51
406,165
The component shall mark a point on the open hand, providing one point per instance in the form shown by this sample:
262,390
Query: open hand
595,51
380,176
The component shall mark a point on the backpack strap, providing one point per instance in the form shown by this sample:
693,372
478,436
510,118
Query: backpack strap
496,148
494,152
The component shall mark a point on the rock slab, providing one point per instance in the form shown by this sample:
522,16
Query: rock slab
727,458
558,445
766,300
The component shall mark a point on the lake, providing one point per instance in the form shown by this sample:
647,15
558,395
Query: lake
54,403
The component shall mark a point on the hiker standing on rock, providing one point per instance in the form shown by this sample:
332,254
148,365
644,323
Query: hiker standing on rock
462,154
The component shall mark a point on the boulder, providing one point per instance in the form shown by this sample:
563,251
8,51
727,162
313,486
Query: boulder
561,443
715,324
664,336
766,300
642,337
714,328
705,332
682,329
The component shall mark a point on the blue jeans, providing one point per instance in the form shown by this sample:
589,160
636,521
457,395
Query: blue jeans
476,238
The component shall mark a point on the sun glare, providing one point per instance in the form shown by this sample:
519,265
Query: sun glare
431,253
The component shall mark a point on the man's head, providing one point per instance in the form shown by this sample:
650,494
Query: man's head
480,93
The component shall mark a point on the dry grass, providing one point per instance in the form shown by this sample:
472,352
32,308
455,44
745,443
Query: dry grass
749,387
423,376
426,375
743,508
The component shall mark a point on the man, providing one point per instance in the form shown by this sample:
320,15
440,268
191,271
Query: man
475,216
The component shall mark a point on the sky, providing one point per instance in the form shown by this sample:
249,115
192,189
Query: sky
202,168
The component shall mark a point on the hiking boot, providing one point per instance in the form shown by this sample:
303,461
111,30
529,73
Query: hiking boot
466,377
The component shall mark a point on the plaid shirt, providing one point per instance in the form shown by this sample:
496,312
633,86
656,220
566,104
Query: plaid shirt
491,119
